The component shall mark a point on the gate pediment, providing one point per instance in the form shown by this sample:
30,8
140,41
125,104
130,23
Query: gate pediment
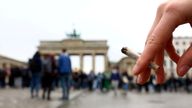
72,42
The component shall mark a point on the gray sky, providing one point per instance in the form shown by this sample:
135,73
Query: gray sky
23,23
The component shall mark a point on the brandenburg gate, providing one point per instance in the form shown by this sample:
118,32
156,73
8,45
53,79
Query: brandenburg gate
76,46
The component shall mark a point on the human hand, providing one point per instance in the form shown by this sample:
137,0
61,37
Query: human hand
168,17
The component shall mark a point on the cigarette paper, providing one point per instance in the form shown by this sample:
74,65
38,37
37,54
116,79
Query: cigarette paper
135,56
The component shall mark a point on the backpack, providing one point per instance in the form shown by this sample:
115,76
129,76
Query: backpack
47,67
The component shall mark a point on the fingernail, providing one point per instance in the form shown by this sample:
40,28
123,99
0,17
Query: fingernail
183,70
138,81
135,69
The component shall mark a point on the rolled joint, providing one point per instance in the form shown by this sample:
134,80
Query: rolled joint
135,56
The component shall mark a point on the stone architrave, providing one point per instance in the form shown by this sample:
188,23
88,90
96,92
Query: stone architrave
10,62
77,47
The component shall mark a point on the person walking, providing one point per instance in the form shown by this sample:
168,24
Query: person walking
125,82
65,70
2,77
36,69
115,78
91,78
49,68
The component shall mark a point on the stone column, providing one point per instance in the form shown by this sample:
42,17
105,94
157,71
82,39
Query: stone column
93,62
106,62
81,62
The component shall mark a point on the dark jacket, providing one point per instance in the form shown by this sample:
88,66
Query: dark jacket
36,63
115,76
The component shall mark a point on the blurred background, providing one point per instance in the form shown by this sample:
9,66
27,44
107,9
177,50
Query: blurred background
93,32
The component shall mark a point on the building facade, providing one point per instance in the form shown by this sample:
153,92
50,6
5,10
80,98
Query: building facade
9,62
181,44
126,64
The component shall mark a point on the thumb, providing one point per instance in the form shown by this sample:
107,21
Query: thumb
185,62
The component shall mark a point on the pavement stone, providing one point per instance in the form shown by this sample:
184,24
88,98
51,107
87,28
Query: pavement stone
131,100
20,98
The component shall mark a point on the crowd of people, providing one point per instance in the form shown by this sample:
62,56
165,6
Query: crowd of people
115,80
14,77
46,73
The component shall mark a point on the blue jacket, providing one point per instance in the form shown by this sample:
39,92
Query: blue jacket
115,76
64,63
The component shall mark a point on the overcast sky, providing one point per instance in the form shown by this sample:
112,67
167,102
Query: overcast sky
23,23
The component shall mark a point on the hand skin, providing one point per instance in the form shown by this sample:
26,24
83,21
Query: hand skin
169,16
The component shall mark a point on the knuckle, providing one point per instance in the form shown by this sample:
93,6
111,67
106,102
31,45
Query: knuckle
161,7
171,7
176,10
153,41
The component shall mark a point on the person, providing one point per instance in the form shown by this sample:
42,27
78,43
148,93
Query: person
125,82
172,82
91,78
49,68
83,79
7,73
106,81
65,70
99,80
115,78
169,16
187,83
2,77
35,65
25,77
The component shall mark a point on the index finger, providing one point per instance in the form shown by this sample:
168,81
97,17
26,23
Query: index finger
158,39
